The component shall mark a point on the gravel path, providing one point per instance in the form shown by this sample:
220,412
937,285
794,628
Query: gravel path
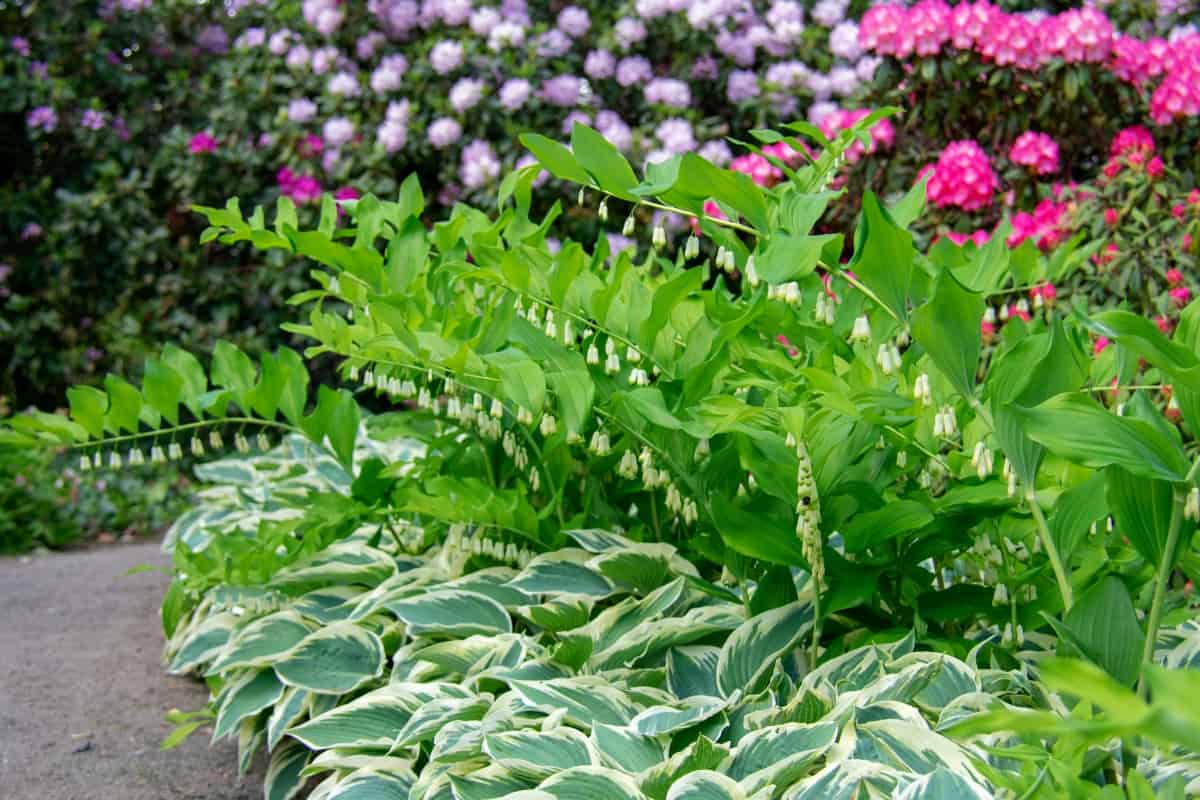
83,691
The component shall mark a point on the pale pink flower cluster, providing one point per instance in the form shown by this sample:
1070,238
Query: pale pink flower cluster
883,133
962,177
1037,151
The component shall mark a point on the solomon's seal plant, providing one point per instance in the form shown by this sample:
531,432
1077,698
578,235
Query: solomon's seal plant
731,519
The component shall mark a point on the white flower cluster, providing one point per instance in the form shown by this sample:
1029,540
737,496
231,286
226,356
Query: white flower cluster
136,457
808,514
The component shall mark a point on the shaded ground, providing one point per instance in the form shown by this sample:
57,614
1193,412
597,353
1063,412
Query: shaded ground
83,692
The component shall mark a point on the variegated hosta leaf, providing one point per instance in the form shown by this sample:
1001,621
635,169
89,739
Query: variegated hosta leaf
250,693
849,779
261,641
373,720
692,670
752,650
663,720
284,778
555,573
452,612
430,718
706,785
585,700
329,604
589,783
335,659
290,708
366,784
781,754
535,755
944,784
202,642
342,564
625,749
906,746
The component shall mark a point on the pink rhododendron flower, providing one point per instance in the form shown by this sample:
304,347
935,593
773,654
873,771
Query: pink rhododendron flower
1180,295
962,177
883,133
1037,151
202,143
1047,226
1154,167
1174,277
1134,139
1164,324
1111,217
760,170
1099,345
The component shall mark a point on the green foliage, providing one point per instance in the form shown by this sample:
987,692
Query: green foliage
648,516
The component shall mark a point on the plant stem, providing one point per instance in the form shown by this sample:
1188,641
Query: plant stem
816,634
1162,576
1060,572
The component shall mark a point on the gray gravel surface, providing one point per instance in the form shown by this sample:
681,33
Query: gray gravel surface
83,691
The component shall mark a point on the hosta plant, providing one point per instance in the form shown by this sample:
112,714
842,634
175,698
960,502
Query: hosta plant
808,485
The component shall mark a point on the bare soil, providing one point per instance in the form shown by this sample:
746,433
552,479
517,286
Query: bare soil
83,691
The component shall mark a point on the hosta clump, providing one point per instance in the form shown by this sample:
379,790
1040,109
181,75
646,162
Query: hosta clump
607,667
821,458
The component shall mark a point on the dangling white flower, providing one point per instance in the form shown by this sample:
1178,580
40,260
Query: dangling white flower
197,447
600,444
989,316
524,416
581,196
627,228
535,481
136,458
157,456
508,443
702,450
532,315
497,409
593,355
551,328
752,273
1000,596
638,377
549,425
921,391
692,248
424,398
659,237
215,441
861,332
633,355
240,442
521,458
602,211
354,373
690,512
1191,507
85,463
884,360
477,402
628,468
902,459
568,333
612,364
674,500
175,451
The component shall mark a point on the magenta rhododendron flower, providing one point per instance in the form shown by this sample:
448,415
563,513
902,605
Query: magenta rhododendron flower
1180,295
1134,139
1037,151
202,143
962,177
883,134
1099,345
